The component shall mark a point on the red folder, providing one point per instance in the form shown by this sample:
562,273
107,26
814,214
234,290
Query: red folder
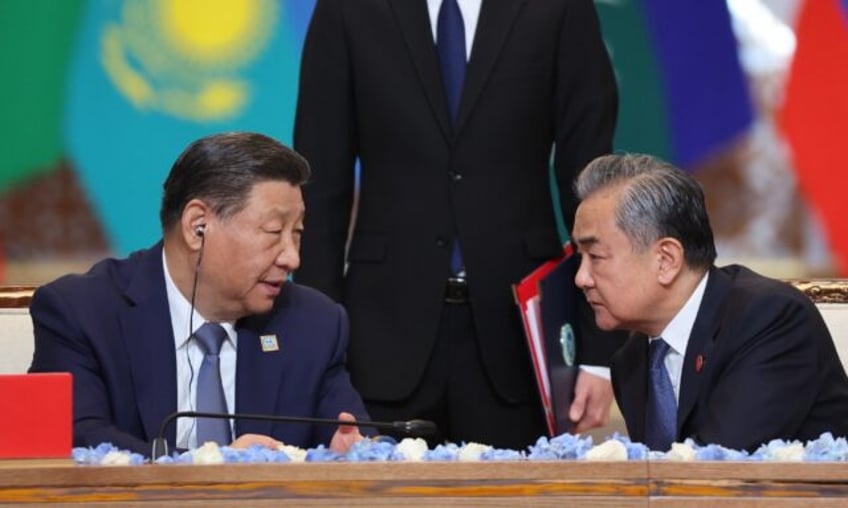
35,415
546,301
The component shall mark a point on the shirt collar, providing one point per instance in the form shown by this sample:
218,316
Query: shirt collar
677,332
180,309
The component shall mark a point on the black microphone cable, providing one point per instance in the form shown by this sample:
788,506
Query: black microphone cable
410,427
201,232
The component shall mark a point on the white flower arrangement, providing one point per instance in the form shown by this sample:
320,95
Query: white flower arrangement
412,449
610,449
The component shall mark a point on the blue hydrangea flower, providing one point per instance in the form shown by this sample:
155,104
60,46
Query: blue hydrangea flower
184,458
502,454
368,450
563,447
95,456
443,452
720,453
323,454
255,454
827,448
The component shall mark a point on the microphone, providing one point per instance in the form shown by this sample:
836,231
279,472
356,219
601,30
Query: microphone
413,428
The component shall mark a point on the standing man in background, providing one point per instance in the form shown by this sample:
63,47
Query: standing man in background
453,110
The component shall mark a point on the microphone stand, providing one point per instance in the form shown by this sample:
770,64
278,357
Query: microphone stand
409,427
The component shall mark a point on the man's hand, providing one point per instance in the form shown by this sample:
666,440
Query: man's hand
592,399
248,440
346,435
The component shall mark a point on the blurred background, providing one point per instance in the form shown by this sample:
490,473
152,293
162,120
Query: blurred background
100,96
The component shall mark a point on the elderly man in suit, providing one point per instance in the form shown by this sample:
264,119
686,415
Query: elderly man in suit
138,333
721,355
455,110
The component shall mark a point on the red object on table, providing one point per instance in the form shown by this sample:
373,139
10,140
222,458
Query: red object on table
36,415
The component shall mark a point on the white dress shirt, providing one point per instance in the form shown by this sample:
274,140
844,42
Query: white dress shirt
470,10
676,334
189,358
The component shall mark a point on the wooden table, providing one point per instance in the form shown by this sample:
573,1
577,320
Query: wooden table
606,484
735,484
332,484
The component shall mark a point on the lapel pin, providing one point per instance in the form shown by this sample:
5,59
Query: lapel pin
269,343
699,364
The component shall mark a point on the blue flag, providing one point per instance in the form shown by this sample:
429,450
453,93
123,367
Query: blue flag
148,77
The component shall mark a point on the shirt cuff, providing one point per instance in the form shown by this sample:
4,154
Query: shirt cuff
603,372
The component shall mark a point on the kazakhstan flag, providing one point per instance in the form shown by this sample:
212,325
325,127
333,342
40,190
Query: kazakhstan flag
147,77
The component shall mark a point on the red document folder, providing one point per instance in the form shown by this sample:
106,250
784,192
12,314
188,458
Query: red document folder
35,415
546,301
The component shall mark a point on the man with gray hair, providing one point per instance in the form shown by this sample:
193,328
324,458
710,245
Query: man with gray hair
721,355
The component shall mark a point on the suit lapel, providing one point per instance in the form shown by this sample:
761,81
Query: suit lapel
413,18
258,385
698,359
149,340
632,374
493,27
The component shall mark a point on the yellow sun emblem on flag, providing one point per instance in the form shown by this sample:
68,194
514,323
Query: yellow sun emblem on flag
183,57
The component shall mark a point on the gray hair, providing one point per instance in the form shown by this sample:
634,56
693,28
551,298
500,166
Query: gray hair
658,200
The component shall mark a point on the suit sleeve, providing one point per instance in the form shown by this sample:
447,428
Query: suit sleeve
324,133
768,385
586,110
337,392
61,346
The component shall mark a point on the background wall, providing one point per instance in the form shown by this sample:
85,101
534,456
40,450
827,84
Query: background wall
100,96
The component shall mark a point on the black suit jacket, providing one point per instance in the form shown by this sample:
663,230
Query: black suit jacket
769,368
371,89
111,329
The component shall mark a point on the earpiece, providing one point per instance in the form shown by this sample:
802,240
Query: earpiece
200,230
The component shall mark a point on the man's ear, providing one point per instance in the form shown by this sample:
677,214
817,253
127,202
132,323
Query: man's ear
670,258
193,222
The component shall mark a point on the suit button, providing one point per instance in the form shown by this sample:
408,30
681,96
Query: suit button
441,242
454,176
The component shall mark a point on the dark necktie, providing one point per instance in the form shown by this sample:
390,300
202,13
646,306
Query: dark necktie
210,391
450,43
661,413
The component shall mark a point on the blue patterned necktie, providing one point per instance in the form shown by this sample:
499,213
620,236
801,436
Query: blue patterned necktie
661,411
450,44
210,391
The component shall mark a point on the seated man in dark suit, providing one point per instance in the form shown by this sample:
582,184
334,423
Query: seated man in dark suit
140,334
735,358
